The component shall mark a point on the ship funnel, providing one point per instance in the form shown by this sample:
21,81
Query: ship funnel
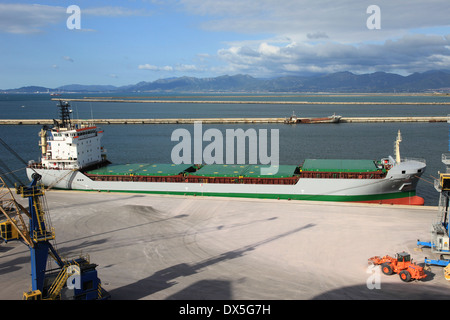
397,147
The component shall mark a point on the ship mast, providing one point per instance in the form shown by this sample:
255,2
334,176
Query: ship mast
43,142
397,147
65,114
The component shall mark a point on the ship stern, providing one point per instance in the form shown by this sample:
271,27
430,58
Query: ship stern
58,179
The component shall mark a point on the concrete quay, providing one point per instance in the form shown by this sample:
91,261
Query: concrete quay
220,120
393,119
155,247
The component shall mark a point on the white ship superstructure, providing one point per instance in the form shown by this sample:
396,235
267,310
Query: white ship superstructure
70,146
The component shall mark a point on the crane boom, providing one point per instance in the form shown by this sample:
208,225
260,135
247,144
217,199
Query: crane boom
37,235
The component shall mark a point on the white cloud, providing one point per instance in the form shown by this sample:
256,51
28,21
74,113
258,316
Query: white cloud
317,35
29,18
186,67
343,21
154,68
110,11
178,68
411,53
274,38
34,18
301,36
67,58
268,50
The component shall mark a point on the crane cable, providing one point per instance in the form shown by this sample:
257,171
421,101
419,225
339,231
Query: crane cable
425,179
9,171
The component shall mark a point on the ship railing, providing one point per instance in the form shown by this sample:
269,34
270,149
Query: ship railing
421,160
40,166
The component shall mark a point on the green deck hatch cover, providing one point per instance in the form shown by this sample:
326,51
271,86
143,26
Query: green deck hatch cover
339,165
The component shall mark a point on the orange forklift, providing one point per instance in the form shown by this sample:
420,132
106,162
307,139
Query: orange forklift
401,264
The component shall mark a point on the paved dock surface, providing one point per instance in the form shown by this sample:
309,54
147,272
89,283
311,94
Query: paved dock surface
178,247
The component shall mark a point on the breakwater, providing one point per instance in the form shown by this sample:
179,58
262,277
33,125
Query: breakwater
220,120
106,99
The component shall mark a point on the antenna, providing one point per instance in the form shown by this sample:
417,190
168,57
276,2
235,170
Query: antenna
92,114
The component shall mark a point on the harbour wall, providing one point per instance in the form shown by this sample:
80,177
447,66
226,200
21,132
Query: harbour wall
219,120
111,100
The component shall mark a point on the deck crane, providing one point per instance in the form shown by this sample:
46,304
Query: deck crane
72,279
439,242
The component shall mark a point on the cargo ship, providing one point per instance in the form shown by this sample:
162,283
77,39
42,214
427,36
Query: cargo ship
293,119
72,157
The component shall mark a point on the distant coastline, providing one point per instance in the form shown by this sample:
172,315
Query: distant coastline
339,82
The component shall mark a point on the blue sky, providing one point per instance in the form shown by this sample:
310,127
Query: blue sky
125,42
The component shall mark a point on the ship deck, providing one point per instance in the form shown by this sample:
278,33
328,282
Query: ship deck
155,247
235,173
143,169
339,165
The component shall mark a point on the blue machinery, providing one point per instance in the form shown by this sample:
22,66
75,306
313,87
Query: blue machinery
72,279
439,229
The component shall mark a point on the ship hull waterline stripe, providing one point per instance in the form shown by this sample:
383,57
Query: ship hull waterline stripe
310,197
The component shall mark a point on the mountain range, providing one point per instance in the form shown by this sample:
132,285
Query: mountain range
434,80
